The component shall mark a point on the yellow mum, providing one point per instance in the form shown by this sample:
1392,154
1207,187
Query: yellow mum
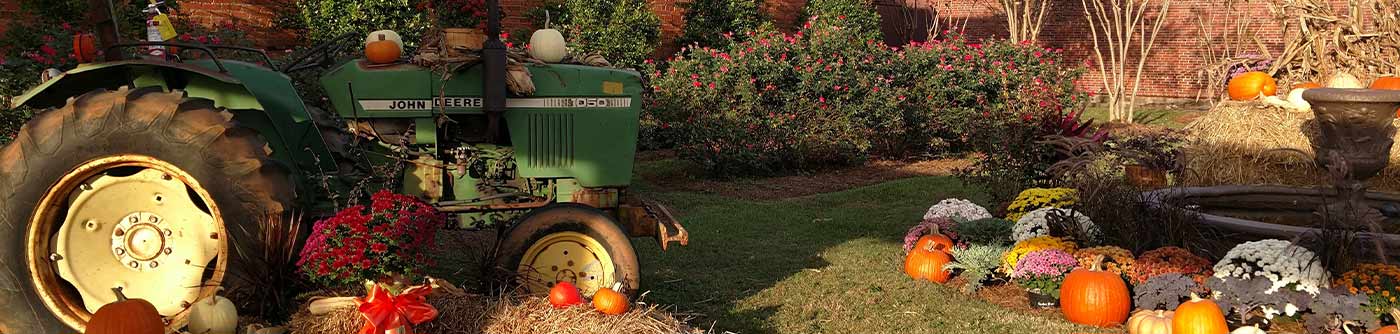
1035,198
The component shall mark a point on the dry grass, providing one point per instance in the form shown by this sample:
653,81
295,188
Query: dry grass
1243,143
471,313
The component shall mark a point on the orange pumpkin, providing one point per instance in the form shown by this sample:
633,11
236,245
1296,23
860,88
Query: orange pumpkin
1095,297
126,316
84,47
1389,83
927,263
1199,316
1251,85
1307,85
609,301
1394,314
934,237
382,50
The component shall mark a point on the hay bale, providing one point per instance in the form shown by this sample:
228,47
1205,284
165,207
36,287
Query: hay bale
1248,143
470,313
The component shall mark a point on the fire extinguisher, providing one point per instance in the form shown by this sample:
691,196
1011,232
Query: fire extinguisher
158,29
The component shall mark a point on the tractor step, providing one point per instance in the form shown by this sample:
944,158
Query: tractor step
654,220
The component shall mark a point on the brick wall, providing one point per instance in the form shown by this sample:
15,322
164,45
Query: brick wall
8,10
1171,65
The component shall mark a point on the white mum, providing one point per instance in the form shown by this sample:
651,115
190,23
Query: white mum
1037,223
957,209
1282,262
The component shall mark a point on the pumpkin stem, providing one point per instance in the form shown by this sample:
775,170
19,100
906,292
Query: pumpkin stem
1096,263
1161,313
120,296
381,37
1195,297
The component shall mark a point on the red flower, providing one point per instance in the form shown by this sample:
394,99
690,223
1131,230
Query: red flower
48,50
379,248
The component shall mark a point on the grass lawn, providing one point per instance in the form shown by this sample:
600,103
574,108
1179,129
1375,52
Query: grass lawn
1147,115
827,263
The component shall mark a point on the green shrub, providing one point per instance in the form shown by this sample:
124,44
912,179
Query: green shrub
707,22
859,16
847,97
326,19
777,102
623,31
986,231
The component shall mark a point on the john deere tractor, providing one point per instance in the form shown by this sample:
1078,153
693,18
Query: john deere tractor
158,176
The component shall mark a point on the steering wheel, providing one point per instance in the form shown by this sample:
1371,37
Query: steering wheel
322,55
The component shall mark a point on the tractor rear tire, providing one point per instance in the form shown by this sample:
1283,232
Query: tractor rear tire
228,163
569,226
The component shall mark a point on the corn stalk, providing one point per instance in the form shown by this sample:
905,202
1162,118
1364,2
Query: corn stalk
1223,49
1363,39
1120,23
1024,18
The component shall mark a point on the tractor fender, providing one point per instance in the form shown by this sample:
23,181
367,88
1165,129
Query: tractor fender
109,75
260,98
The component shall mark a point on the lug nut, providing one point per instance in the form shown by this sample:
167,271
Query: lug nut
155,220
134,219
120,251
154,264
168,250
168,232
55,257
119,232
85,186
134,265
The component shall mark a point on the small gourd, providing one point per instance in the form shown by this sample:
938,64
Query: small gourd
383,47
213,315
1251,329
1344,80
610,301
548,45
1150,322
564,295
1295,98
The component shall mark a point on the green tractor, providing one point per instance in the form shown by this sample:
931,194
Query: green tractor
156,176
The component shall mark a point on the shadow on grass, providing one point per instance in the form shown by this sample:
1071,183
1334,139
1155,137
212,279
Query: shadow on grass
782,266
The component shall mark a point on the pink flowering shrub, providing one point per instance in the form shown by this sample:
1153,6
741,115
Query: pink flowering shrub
945,226
392,236
828,95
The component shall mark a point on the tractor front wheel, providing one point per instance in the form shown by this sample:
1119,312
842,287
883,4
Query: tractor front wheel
144,190
568,243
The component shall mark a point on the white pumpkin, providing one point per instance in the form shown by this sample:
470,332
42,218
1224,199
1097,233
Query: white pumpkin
548,45
214,315
1295,97
1251,329
1344,80
389,35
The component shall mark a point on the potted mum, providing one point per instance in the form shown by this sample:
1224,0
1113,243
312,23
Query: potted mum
386,243
1041,273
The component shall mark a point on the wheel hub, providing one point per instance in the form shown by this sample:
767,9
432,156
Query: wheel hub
158,242
139,241
567,257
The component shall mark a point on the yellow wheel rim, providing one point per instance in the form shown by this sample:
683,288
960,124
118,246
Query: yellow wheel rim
567,257
131,222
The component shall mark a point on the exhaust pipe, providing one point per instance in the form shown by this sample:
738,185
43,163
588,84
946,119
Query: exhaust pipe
493,75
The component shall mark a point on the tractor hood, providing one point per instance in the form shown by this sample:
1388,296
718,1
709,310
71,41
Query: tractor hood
110,75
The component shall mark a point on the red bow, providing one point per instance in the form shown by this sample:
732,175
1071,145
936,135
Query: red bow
386,312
